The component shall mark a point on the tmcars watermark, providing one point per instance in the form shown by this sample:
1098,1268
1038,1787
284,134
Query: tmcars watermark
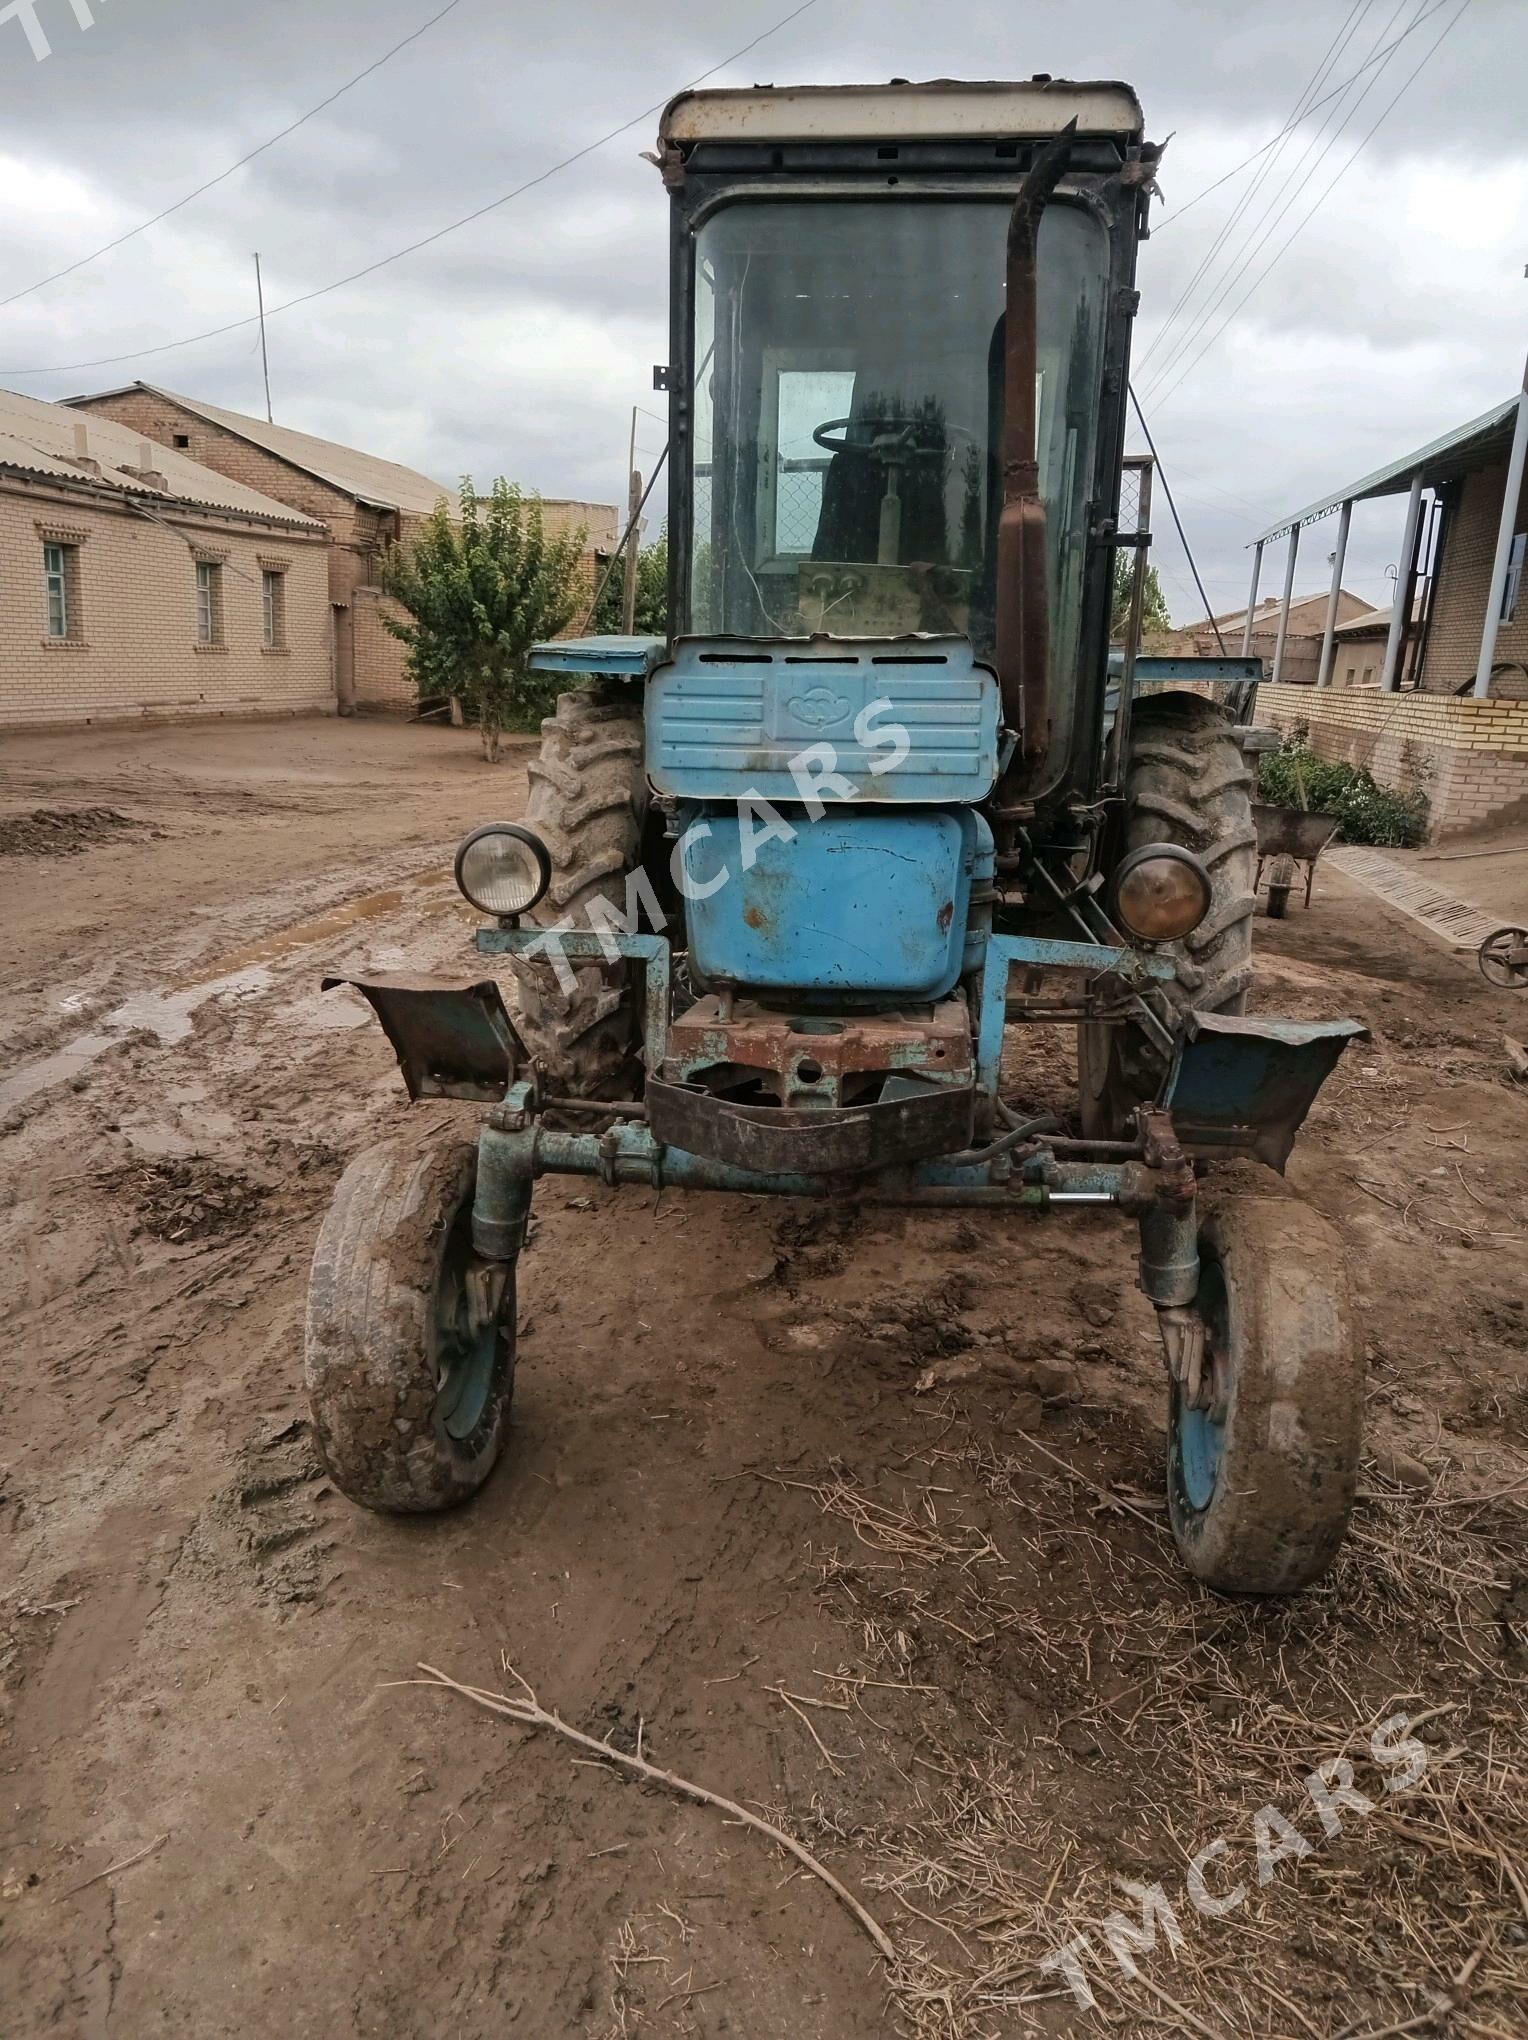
1403,1762
28,14
813,772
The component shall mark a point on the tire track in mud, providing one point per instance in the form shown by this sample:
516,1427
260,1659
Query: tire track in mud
360,1855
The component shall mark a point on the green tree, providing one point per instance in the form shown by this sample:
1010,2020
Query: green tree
652,593
1154,617
479,589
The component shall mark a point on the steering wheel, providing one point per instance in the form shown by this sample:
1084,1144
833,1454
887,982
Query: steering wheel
883,440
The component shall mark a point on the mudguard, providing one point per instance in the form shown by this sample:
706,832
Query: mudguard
451,1040
1242,1084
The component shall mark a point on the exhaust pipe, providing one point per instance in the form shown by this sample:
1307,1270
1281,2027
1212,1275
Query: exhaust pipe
1023,620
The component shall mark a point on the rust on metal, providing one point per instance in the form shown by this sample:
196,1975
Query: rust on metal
451,1040
1023,624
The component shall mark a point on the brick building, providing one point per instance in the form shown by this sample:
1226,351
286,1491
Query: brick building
1446,709
1302,644
364,501
136,585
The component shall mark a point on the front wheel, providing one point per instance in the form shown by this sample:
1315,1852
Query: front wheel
1261,1472
410,1342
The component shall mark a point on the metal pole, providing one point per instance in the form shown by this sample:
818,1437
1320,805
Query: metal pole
265,363
1390,677
1505,532
1257,575
1289,589
1324,671
633,511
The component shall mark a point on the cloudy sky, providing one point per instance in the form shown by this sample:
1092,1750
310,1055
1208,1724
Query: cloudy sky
520,343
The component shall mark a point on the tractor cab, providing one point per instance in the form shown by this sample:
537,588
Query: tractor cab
794,880
840,353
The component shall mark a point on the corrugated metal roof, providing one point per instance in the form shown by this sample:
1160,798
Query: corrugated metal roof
39,439
381,483
1467,446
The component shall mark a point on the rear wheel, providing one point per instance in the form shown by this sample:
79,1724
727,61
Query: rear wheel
1187,782
587,802
1262,1468
410,1339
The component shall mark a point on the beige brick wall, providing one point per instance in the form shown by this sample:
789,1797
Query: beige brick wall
1469,757
134,656
1464,579
382,683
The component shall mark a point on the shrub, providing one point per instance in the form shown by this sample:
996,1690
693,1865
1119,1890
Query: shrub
1296,776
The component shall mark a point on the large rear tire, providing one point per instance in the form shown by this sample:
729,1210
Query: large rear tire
587,802
1187,782
1260,1481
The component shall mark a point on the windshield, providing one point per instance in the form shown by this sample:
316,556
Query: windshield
847,410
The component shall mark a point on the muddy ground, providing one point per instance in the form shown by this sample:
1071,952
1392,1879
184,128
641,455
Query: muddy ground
854,1519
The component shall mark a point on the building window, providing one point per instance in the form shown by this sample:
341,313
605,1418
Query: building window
180,439
273,609
209,603
60,567
1514,586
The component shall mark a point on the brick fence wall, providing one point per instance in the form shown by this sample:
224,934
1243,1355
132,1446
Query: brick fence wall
132,653
1469,757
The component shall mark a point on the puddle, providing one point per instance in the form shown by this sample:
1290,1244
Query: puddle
166,1015
244,971
340,921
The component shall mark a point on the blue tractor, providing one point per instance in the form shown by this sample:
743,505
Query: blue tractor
793,879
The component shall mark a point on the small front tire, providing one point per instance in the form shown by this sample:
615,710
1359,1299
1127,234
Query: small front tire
1260,1484
408,1379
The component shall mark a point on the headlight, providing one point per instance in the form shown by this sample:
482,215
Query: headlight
1161,892
503,869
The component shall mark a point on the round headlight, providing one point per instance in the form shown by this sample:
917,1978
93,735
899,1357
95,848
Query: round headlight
503,869
1161,892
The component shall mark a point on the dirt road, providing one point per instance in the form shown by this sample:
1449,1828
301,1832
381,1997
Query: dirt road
856,1520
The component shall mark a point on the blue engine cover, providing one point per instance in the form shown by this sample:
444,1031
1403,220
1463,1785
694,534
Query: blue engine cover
867,901
726,716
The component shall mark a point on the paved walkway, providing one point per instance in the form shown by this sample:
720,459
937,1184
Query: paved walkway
1398,882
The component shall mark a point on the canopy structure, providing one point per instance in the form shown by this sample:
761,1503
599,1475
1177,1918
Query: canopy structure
1500,434
1477,444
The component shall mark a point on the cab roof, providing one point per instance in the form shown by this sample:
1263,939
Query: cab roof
944,109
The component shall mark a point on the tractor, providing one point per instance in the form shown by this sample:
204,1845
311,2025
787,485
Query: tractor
793,880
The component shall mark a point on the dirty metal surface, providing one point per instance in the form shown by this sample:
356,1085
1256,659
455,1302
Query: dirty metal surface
803,1058
451,1040
729,716
1243,1085
874,903
913,1116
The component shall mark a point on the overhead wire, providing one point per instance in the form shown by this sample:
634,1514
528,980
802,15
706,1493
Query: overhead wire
425,240
223,175
1312,86
1161,394
1188,551
1281,199
1336,93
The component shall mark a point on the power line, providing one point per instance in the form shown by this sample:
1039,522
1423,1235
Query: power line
426,240
1336,93
1178,521
1334,49
1268,220
1161,396
223,175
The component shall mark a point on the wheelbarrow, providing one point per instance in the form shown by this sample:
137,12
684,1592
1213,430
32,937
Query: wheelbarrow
1290,836
1503,959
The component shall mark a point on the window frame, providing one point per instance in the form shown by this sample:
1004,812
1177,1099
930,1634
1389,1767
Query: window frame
1512,586
273,635
64,575
209,583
